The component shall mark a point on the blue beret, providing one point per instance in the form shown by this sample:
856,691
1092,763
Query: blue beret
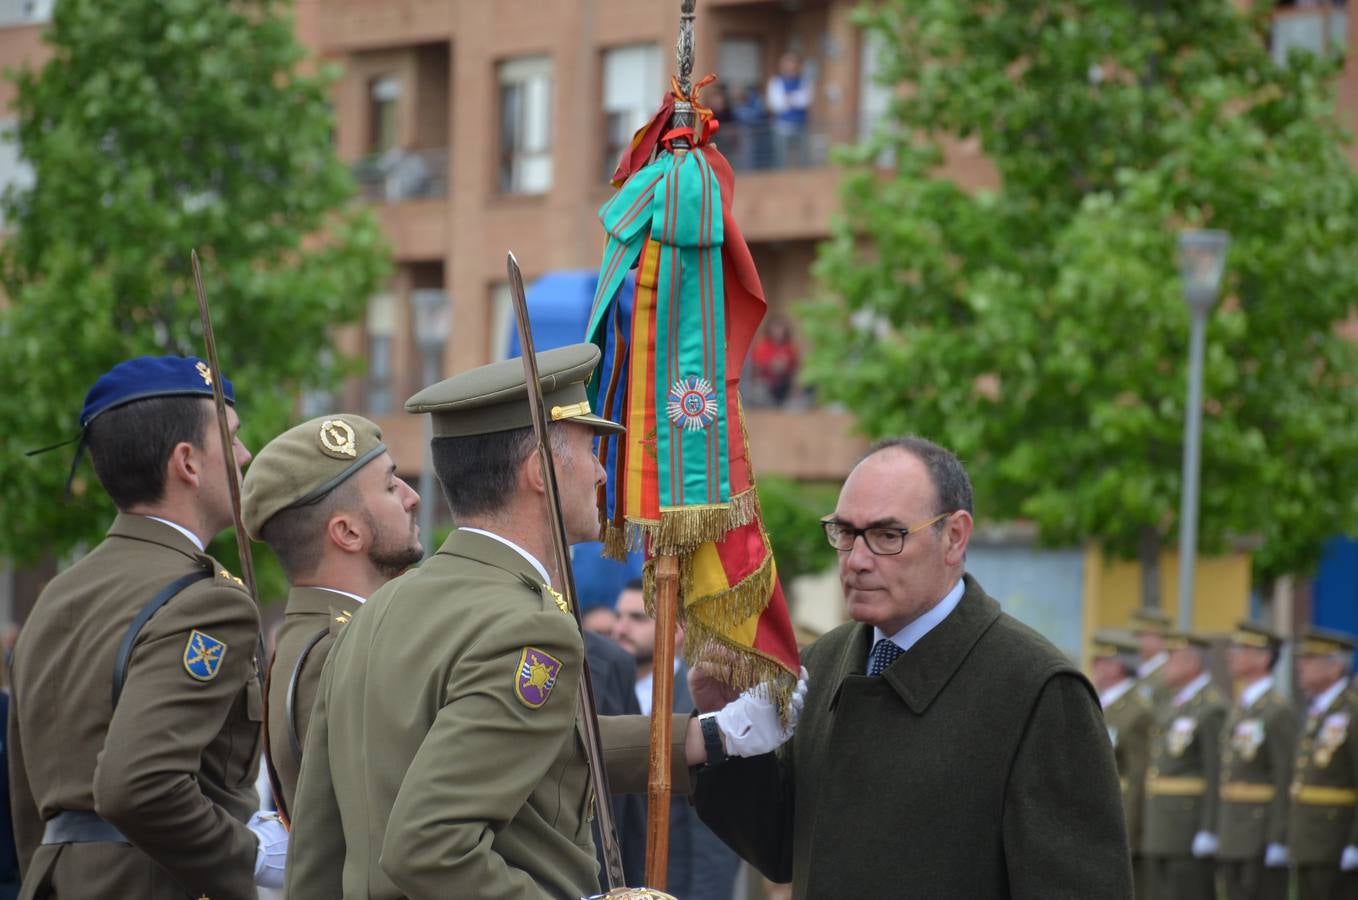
150,376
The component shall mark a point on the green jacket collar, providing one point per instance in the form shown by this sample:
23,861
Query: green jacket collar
487,550
141,528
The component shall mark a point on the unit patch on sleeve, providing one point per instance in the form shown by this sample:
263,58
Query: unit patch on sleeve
203,656
536,676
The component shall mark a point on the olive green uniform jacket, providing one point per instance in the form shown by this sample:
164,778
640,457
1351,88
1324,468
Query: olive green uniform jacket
433,768
1325,787
173,768
1257,747
1128,719
312,619
976,766
1185,773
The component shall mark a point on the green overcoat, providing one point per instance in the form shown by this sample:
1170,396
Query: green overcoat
444,757
976,766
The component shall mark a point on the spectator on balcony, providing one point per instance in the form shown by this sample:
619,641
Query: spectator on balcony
405,174
751,117
789,96
776,360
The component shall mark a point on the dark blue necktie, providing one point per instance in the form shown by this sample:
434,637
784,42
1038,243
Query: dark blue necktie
883,655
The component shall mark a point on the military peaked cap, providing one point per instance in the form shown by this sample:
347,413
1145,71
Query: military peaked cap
1151,620
1313,641
494,398
1252,634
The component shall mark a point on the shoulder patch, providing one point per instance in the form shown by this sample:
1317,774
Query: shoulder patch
203,655
535,677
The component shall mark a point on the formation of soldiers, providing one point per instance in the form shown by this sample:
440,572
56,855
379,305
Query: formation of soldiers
1246,794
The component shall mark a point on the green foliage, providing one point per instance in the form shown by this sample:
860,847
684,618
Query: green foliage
157,127
1039,328
790,511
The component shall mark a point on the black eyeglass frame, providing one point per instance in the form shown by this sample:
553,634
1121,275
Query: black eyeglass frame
855,533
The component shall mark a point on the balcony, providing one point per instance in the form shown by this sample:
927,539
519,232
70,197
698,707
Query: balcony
348,25
399,175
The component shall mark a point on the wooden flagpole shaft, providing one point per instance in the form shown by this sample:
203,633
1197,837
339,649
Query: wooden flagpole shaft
662,701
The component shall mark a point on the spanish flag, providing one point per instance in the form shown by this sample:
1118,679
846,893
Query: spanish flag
680,481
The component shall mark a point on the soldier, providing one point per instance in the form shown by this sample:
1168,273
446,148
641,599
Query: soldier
326,499
143,785
1128,717
1149,627
443,757
1177,841
1323,828
1256,768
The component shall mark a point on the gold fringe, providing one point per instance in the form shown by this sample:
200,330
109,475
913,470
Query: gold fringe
683,529
615,541
726,609
737,665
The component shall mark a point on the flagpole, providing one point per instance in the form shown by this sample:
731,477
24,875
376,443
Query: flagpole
666,599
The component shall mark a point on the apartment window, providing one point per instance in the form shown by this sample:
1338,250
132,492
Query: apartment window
381,326
526,125
632,92
25,12
384,96
740,66
874,98
501,323
1309,26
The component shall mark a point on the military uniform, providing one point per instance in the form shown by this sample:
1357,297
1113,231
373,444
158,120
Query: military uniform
1324,815
173,767
1129,719
444,756
313,619
1256,769
298,468
133,751
1181,792
1151,673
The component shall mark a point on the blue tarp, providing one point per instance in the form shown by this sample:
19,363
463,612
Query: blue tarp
1334,593
558,309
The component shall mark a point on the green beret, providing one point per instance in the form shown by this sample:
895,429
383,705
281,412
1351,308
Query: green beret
305,463
494,398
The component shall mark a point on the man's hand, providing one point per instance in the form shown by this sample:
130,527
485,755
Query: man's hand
1275,856
1348,862
750,724
272,854
709,692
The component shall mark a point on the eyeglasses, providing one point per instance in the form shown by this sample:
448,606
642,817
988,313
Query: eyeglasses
882,540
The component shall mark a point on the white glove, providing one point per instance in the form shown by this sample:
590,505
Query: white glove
1204,844
1349,860
1275,856
273,849
750,724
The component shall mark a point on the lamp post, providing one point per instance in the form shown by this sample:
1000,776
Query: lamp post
1202,259
433,318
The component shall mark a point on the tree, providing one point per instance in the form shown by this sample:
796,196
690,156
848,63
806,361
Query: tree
156,127
1038,328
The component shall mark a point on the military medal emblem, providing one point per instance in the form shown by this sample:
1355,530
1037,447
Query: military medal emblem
337,439
1333,732
1181,735
536,677
203,656
692,403
1247,738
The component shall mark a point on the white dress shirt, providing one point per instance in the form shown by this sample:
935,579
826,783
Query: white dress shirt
1254,690
197,541
541,569
1190,690
1114,693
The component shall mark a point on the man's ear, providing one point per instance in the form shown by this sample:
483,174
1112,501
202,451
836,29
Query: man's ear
346,532
185,465
956,536
530,472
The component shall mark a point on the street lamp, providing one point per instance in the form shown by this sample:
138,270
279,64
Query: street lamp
1202,259
433,320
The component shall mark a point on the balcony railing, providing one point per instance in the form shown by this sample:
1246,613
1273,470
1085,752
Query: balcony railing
751,146
398,175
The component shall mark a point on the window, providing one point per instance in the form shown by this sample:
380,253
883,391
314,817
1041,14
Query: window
526,125
633,89
384,94
874,98
381,325
25,12
501,323
740,65
1309,27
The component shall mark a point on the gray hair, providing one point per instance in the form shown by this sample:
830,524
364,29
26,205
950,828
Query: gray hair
946,472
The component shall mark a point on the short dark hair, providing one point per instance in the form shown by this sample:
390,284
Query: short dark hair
296,535
634,584
477,472
130,445
945,470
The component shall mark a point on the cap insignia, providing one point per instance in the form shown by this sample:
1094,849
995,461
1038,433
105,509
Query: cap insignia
204,372
337,439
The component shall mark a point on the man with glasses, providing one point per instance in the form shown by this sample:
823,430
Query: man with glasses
945,749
